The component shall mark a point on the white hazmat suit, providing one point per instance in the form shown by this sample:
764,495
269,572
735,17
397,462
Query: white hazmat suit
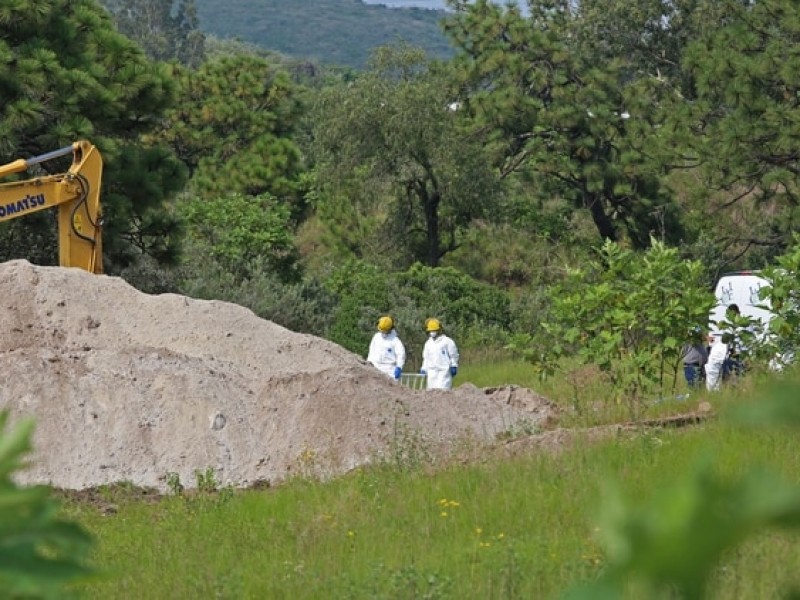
439,360
387,353
715,364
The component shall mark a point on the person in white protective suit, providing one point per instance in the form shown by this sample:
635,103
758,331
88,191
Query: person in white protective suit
439,357
386,351
716,362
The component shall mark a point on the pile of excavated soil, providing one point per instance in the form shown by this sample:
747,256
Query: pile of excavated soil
126,386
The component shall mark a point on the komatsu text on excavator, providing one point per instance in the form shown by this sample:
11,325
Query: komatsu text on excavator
76,193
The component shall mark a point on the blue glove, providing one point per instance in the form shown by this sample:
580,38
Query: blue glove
453,371
397,372
423,372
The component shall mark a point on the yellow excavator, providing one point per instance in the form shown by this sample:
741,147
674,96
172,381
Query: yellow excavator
76,193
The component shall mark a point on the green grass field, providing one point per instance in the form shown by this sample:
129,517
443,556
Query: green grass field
523,527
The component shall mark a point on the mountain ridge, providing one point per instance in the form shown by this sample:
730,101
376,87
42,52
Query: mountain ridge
335,32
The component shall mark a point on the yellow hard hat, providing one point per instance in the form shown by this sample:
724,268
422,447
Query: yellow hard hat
432,325
385,324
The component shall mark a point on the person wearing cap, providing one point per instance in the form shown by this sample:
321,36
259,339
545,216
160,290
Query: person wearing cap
439,357
386,351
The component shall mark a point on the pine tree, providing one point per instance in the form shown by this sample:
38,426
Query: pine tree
165,29
67,74
577,127
744,125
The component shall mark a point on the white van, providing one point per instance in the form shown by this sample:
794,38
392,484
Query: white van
740,288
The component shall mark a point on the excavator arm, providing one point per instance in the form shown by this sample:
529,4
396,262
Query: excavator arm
75,193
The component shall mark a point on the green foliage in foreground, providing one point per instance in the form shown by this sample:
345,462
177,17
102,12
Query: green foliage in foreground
646,513
39,552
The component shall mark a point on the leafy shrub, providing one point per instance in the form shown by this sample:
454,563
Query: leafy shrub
455,298
783,294
304,306
238,231
148,276
39,552
628,313
466,307
363,292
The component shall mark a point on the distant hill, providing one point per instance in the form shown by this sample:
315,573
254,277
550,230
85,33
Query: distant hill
338,32
435,4
438,4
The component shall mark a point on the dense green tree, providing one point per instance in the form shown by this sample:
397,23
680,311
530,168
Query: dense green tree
677,50
239,231
743,125
140,179
233,126
666,49
569,123
66,74
393,161
651,35
165,29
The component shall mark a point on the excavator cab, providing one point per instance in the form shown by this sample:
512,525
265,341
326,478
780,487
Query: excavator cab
75,193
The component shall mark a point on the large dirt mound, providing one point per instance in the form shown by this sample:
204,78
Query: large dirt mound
126,386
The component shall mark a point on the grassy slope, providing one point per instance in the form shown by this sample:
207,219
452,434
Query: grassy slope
524,527
340,32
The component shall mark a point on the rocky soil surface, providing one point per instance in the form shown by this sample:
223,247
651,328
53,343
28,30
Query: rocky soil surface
126,386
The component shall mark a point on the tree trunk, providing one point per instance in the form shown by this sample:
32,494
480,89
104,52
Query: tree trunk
601,220
430,202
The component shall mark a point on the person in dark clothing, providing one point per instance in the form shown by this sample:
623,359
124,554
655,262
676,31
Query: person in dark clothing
734,361
695,356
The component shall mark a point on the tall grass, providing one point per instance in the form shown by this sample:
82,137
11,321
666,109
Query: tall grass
521,527
576,387
581,391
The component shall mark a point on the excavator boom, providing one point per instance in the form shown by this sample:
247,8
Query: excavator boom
75,193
